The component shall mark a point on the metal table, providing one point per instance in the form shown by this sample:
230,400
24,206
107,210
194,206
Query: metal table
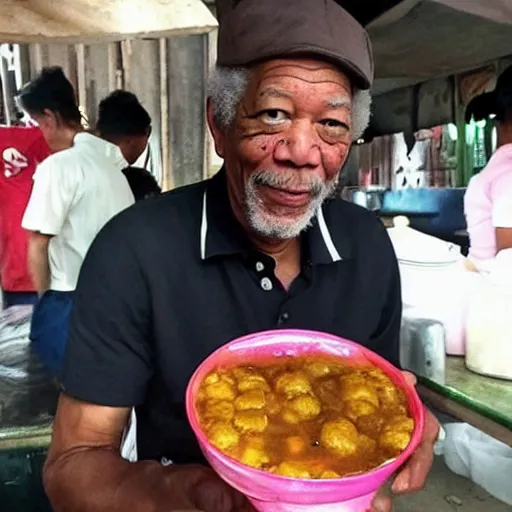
484,402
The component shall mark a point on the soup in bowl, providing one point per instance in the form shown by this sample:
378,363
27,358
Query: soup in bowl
303,421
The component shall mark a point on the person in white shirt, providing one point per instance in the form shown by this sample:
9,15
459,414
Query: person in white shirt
77,190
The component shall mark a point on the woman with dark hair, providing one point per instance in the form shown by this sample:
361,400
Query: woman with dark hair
488,200
77,190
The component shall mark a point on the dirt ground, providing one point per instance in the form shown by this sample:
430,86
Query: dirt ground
447,492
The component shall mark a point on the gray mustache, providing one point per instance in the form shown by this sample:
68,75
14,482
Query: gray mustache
314,185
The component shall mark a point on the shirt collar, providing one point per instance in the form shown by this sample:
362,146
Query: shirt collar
222,235
111,151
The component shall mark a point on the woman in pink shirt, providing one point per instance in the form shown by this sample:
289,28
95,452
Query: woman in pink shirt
488,200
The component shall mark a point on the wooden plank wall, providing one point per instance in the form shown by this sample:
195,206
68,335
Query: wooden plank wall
169,76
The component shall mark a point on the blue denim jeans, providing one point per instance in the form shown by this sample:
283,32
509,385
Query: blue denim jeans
49,329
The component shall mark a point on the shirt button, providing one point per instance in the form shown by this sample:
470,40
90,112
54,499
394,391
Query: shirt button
260,267
266,284
283,318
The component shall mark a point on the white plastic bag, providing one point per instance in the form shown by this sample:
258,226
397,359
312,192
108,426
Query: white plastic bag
481,458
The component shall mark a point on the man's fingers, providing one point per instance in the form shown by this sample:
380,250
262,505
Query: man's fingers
410,378
381,503
213,495
414,474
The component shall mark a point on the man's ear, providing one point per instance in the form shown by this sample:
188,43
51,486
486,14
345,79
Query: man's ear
217,133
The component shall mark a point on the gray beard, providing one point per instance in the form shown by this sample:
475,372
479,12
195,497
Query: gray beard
272,226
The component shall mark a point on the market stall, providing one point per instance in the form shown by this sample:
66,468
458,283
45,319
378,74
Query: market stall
102,45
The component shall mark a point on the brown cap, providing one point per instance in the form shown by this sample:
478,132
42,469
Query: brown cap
256,30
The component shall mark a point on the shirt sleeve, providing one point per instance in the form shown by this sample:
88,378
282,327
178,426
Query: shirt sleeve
501,198
386,339
52,194
109,352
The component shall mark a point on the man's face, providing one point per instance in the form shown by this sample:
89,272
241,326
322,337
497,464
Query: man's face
289,141
133,146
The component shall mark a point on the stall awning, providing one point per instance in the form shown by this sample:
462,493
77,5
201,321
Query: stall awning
418,40
89,21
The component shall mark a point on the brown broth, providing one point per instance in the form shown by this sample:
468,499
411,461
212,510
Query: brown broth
305,417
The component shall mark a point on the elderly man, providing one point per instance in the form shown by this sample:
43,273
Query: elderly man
258,246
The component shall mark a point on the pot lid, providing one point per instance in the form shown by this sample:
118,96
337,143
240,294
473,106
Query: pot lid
414,247
83,21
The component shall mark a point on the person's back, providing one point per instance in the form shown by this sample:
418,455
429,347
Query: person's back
90,177
483,194
488,200
76,191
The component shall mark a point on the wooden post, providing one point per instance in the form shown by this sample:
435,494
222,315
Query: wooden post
167,181
210,41
81,80
6,94
112,66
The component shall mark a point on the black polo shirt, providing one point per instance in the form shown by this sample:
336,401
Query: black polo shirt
173,278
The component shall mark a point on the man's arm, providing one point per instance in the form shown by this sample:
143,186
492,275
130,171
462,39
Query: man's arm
108,365
85,473
503,238
38,261
501,197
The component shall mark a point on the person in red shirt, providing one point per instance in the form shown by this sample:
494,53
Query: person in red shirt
21,150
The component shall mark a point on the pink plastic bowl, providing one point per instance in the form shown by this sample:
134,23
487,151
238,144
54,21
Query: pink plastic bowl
273,493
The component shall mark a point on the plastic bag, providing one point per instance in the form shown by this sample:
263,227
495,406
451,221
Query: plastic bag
487,462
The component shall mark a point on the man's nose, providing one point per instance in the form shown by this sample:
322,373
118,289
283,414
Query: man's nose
299,145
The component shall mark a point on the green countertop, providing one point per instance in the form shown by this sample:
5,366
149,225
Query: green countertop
487,396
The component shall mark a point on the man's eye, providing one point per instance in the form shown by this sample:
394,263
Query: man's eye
334,124
273,116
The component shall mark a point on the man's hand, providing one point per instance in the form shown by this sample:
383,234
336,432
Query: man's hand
413,475
199,489
84,470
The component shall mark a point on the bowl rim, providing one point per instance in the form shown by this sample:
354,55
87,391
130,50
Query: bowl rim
310,336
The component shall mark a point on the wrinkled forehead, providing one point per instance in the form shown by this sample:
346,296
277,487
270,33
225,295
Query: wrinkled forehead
301,76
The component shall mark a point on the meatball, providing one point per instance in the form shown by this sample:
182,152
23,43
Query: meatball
328,474
340,437
293,384
290,416
250,421
390,397
358,391
318,369
306,406
293,469
254,457
216,410
357,408
211,378
353,379
394,443
223,436
248,379
220,390
400,424
378,378
254,399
